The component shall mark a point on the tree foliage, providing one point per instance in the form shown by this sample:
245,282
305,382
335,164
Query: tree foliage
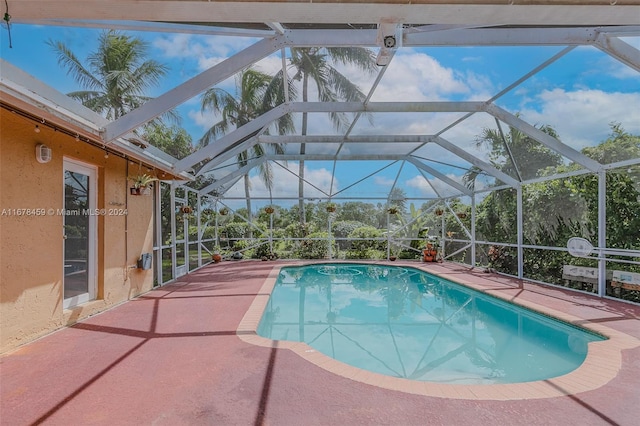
556,210
117,75
250,100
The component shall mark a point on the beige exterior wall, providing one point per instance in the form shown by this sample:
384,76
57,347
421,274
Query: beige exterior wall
31,247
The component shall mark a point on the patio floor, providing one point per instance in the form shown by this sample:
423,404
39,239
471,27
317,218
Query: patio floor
173,357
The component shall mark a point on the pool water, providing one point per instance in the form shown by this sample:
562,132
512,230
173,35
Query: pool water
404,322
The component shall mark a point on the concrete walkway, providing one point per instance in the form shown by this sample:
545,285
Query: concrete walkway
172,357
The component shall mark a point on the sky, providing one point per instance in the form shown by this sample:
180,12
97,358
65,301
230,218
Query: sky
578,95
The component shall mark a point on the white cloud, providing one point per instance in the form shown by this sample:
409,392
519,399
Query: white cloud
205,51
428,189
619,70
203,120
418,77
269,65
175,45
383,181
582,117
286,184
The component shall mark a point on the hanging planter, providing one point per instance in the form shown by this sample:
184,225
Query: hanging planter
224,211
186,209
331,207
393,210
269,210
141,184
461,215
439,211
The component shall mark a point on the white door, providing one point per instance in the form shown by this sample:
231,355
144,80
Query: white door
80,236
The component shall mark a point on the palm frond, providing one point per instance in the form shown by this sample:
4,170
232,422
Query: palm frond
212,134
361,57
68,60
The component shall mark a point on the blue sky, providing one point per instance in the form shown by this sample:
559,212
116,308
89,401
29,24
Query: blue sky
579,95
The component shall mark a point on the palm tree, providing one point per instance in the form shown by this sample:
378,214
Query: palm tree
256,93
519,155
516,154
116,76
315,64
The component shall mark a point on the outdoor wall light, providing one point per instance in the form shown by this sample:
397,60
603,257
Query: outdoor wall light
37,129
43,153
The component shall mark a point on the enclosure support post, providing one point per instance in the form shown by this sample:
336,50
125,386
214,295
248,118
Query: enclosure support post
602,232
388,238
198,228
329,236
270,233
519,231
216,237
473,229
443,234
157,210
174,246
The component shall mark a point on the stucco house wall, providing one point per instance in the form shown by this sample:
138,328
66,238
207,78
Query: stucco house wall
31,245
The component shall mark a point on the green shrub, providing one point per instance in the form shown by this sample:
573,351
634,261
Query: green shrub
367,243
263,250
368,253
209,232
342,229
315,249
296,230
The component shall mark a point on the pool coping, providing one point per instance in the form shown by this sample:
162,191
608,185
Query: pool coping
601,365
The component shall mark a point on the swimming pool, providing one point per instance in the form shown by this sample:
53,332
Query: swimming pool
403,322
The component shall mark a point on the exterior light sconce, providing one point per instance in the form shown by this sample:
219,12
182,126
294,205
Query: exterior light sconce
43,153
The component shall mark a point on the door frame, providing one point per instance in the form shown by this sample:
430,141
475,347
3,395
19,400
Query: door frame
92,249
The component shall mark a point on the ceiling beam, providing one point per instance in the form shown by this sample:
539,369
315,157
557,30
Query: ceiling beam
386,107
454,149
233,175
545,139
620,50
227,141
545,12
322,139
446,179
191,88
156,27
228,154
275,26
437,35
332,157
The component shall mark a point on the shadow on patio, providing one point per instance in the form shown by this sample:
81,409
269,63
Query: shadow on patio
172,357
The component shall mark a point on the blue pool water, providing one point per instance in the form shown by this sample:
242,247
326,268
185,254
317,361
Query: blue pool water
404,322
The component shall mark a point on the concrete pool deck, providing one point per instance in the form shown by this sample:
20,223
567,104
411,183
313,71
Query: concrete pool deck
177,355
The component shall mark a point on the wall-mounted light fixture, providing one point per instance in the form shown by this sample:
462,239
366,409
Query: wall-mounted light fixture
36,129
43,153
